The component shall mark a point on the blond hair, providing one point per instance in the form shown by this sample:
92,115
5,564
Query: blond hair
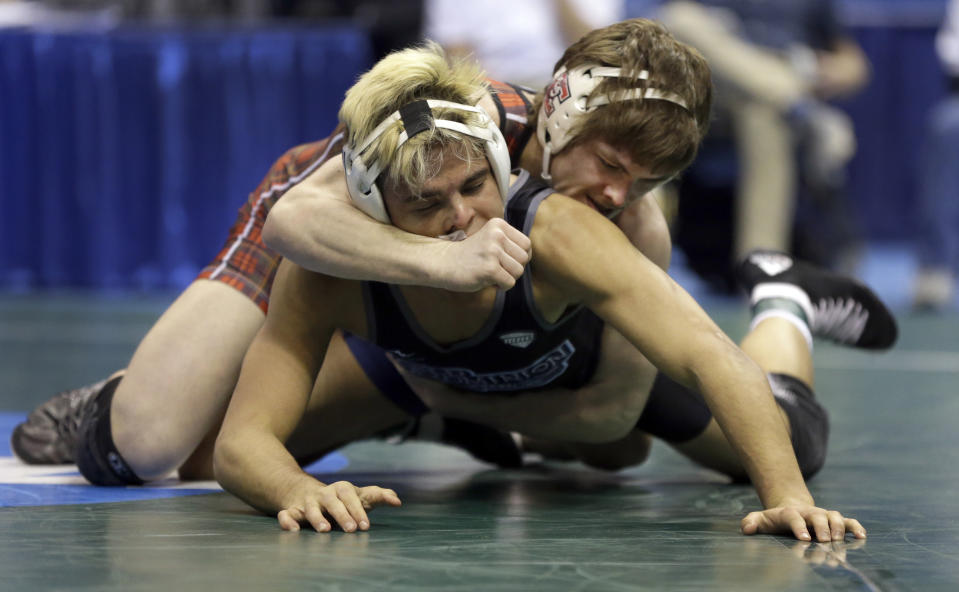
660,134
399,79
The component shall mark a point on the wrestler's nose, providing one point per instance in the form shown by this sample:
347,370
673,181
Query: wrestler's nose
462,213
616,192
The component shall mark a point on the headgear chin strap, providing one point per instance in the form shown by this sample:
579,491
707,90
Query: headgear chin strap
418,117
568,98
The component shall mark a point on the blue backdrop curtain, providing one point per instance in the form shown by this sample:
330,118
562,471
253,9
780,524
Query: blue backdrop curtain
890,120
125,154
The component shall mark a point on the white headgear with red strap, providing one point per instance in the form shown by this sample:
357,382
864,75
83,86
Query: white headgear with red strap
568,98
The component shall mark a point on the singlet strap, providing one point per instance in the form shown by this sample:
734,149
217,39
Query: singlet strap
521,207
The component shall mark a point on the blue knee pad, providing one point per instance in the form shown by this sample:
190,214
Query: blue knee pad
97,456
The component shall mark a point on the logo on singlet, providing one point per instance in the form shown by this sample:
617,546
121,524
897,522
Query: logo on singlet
541,372
557,92
520,339
771,263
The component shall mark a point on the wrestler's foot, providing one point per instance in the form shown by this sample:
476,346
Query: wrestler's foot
483,443
49,435
836,307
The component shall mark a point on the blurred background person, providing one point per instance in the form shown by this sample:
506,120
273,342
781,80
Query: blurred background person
392,24
938,197
776,64
516,41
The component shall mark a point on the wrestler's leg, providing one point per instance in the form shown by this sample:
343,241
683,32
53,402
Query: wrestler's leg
175,390
793,301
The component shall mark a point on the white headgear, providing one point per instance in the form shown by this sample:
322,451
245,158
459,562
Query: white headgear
568,97
418,117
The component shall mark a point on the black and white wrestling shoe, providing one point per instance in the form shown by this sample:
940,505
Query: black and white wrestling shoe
836,307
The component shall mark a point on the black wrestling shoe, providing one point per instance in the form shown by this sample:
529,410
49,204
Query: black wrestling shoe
482,443
49,435
842,309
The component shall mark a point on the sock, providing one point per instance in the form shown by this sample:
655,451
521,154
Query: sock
784,301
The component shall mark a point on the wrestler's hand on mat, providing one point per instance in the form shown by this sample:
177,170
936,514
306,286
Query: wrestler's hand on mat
344,503
828,525
494,256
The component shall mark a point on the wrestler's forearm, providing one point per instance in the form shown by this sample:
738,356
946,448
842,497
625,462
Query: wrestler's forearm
320,230
322,234
249,459
256,468
271,394
738,394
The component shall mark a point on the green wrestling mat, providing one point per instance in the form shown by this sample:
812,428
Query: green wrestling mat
668,525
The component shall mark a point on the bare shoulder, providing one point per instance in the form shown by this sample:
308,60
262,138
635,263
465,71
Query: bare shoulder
563,224
574,246
308,298
645,225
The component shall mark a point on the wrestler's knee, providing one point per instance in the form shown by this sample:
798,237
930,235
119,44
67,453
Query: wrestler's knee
631,451
614,421
151,442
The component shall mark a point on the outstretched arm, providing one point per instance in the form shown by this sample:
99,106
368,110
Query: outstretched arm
316,226
250,459
598,267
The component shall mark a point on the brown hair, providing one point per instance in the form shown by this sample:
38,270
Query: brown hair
657,133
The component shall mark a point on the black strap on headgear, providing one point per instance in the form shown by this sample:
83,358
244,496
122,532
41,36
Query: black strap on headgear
417,117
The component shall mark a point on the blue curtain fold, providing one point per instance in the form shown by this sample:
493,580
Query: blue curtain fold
890,119
125,154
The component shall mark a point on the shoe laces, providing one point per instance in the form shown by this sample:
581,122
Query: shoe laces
841,319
